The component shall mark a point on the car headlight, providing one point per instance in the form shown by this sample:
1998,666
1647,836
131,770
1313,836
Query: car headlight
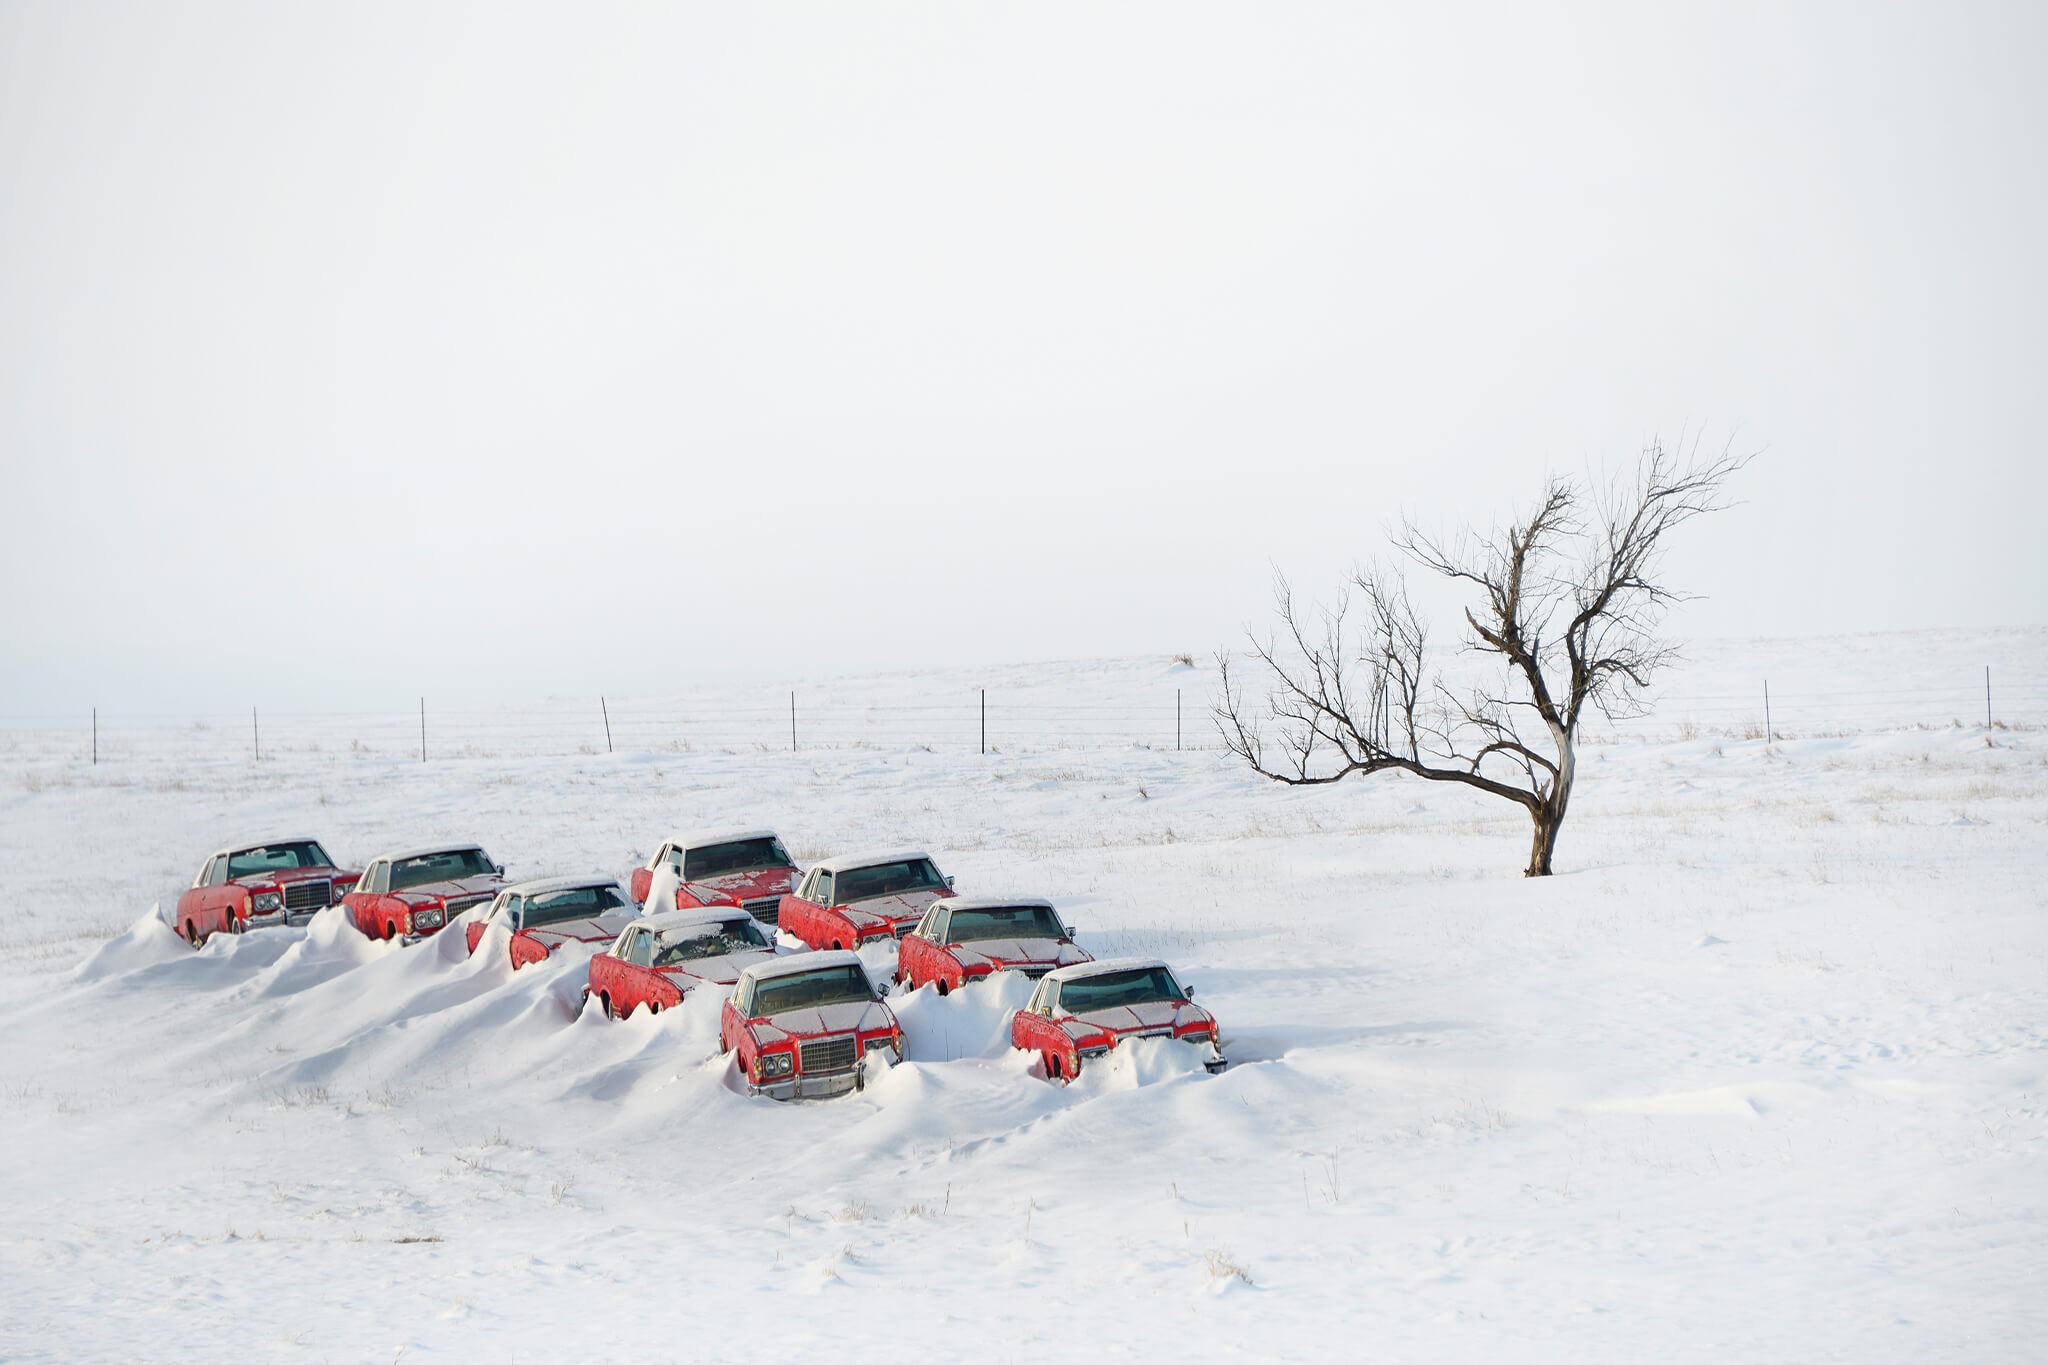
877,1044
777,1063
267,902
340,889
1197,1035
427,919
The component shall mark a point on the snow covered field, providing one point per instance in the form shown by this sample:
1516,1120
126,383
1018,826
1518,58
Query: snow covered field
1762,1075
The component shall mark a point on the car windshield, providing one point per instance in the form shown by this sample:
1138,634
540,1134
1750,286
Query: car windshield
809,990
1139,987
742,855
888,879
707,940
582,902
446,866
278,858
1016,921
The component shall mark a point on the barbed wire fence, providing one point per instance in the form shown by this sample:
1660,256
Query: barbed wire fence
978,720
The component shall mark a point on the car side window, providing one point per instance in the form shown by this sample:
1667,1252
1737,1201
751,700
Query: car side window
640,951
1049,999
217,871
940,919
809,883
824,896
743,999
373,880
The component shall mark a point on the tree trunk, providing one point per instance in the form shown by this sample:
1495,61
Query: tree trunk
1549,815
1545,842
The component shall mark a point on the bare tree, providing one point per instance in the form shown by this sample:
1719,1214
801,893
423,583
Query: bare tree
1570,606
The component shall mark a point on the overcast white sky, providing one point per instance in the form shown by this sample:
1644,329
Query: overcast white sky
350,353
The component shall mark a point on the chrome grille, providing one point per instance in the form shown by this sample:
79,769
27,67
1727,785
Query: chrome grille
906,927
306,896
1037,970
456,907
766,910
822,1055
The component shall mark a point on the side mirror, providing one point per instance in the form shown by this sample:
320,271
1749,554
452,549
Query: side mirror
1069,930
1188,991
949,883
500,867
883,988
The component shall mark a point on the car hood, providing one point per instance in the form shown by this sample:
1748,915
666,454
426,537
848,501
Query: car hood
999,953
857,1014
462,886
1153,1014
746,886
714,971
286,875
891,910
600,929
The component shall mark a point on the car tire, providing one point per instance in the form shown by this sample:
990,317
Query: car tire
944,989
235,925
192,934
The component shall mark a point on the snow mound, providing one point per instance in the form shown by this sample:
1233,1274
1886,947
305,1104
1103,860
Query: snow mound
971,1022
146,943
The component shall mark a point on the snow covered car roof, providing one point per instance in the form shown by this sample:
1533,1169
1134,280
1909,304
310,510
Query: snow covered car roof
803,962
1106,965
244,845
850,860
429,850
700,838
669,920
544,885
996,902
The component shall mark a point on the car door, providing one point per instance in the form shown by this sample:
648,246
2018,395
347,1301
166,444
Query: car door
216,898
192,900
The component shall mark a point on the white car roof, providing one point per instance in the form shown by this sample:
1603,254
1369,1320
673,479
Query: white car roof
243,845
691,919
427,850
851,860
699,838
1104,967
803,962
995,902
543,885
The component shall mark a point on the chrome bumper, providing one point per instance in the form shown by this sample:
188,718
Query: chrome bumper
808,1087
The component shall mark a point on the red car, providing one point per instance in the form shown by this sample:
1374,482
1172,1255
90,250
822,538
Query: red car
804,1025
658,960
283,881
970,937
411,895
750,867
1083,1011
539,917
845,902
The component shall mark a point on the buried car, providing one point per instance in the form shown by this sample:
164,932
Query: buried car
413,894
539,917
863,898
1083,1011
805,1025
745,867
659,959
970,937
247,886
